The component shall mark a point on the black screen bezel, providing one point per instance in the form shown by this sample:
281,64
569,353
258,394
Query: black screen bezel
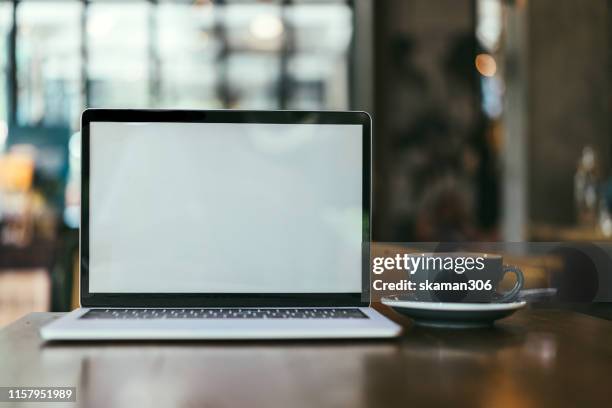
223,299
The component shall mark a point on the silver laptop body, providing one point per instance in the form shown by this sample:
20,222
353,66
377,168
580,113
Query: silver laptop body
224,225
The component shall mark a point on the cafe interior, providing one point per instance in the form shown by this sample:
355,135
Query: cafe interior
491,118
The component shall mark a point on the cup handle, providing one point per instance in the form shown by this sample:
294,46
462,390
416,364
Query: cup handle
520,280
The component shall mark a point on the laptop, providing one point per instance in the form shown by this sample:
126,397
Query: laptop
224,225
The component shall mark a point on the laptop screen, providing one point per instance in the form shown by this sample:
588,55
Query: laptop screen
225,208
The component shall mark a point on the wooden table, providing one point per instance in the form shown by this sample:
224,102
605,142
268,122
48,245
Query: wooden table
536,358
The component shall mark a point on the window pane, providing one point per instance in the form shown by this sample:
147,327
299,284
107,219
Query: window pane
187,53
117,36
253,80
254,39
48,62
318,65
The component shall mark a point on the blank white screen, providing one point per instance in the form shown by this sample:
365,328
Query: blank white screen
225,208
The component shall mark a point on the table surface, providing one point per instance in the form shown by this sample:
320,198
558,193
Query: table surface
536,358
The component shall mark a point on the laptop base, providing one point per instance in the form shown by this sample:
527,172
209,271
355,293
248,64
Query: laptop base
72,327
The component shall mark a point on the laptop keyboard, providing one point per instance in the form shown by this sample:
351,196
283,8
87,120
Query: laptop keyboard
230,313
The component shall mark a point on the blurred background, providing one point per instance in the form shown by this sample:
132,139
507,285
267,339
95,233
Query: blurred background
491,117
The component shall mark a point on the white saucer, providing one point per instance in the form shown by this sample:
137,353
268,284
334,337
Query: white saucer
456,315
